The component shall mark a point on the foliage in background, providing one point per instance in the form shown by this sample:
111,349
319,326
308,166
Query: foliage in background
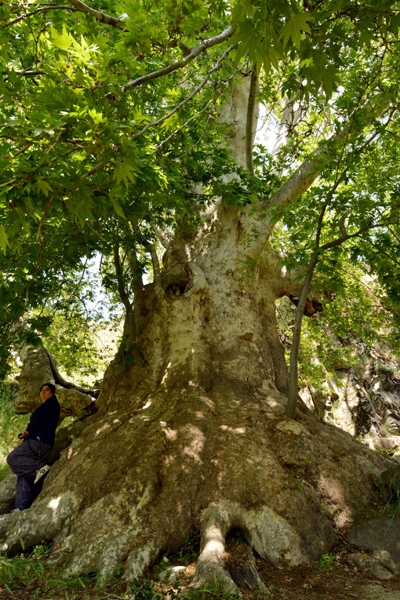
353,321
10,425
97,155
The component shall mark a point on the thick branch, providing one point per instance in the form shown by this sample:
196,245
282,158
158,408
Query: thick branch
308,172
96,14
129,333
180,64
59,379
136,272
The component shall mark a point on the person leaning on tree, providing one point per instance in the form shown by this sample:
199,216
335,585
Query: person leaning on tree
28,461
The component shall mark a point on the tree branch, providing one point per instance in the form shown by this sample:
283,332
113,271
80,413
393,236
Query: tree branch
308,172
186,100
184,125
36,11
294,351
129,333
136,272
164,235
119,273
151,249
46,212
96,14
250,120
180,64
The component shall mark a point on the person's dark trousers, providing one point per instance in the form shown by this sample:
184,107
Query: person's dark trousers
24,461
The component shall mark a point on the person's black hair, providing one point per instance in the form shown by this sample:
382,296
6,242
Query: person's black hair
51,386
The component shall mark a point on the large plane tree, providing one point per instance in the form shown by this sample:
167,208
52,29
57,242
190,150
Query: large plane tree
129,130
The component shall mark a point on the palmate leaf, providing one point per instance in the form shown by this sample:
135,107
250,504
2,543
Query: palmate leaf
82,211
293,28
116,205
43,186
124,172
62,40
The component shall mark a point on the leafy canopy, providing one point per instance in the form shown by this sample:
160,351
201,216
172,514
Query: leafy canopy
109,124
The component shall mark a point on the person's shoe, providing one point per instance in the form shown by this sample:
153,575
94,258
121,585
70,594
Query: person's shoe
40,472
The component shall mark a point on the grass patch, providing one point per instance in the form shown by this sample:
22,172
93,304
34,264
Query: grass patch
31,575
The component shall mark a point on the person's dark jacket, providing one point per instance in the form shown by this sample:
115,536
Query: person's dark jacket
44,420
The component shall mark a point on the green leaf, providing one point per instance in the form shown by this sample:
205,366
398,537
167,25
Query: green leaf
293,28
43,186
124,172
117,207
3,239
63,40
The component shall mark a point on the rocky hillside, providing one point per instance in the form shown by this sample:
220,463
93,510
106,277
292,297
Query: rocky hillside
363,395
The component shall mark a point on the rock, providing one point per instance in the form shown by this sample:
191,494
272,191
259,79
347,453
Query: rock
72,401
378,534
380,563
377,592
379,571
7,493
385,559
172,573
385,443
361,561
291,427
36,370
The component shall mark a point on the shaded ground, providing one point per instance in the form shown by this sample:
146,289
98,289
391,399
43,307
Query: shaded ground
334,578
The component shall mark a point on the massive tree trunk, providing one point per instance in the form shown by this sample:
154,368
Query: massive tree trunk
191,434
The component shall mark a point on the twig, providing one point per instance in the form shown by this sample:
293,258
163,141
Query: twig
96,168
8,183
186,100
46,212
36,11
87,222
183,126
28,145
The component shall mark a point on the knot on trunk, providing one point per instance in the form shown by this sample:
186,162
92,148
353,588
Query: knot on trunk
177,281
